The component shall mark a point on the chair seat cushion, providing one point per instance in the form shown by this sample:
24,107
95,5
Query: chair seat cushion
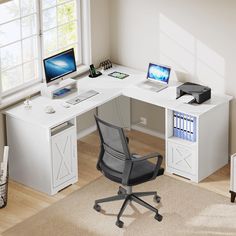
143,171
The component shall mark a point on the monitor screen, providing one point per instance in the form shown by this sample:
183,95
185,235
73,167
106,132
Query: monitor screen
58,66
158,73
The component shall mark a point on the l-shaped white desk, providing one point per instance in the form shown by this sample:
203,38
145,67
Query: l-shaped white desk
43,147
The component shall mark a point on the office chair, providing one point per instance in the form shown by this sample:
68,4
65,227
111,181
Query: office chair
119,165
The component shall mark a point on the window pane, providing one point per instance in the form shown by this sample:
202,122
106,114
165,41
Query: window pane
9,32
9,11
75,46
49,18
61,20
18,43
10,56
67,34
50,42
28,7
30,71
11,78
28,25
61,1
30,50
48,3
66,12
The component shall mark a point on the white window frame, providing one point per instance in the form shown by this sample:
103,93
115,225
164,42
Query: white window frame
85,11
84,35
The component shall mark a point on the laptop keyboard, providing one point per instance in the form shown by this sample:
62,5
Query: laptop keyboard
155,87
153,84
82,97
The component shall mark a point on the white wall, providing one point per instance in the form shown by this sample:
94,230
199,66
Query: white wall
196,37
100,30
100,48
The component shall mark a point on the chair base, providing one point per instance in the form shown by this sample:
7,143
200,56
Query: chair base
128,196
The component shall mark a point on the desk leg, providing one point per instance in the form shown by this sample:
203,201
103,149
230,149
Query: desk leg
233,195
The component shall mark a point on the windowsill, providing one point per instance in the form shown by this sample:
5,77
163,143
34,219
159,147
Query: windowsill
81,70
32,90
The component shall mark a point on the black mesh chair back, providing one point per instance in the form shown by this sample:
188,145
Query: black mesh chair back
114,148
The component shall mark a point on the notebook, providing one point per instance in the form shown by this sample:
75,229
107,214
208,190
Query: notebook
157,77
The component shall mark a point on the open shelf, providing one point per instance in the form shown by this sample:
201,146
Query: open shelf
182,141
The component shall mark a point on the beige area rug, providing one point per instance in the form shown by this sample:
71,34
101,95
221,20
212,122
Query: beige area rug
186,210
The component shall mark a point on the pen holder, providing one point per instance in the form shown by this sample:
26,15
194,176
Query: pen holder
3,192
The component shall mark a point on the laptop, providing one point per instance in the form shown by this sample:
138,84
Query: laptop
157,77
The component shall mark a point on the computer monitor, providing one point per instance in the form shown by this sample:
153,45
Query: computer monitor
59,66
158,73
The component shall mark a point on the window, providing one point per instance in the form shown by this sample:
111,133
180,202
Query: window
31,30
18,44
60,27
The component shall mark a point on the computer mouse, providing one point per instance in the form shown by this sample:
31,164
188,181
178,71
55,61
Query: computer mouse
66,105
49,109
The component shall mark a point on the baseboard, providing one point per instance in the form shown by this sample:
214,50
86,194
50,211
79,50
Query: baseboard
148,131
93,128
86,132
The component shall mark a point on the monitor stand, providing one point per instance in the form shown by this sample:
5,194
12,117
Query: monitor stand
61,89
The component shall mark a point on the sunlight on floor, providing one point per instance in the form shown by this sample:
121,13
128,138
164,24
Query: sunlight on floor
217,216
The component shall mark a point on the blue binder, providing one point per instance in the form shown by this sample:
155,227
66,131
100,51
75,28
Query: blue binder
182,125
185,126
178,125
194,129
175,123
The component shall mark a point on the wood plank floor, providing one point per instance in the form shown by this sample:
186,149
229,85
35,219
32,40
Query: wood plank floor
24,202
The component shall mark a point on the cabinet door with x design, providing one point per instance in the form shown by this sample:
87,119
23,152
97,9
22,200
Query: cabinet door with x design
181,158
64,160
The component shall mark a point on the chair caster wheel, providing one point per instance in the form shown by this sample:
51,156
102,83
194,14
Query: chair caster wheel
158,217
97,207
119,223
157,199
121,191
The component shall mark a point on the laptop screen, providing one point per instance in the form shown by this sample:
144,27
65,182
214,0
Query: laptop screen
158,73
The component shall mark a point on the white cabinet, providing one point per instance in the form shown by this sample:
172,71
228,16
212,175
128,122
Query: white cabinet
40,157
195,160
181,158
64,159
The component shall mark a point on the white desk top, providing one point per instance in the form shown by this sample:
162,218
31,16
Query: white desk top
109,88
